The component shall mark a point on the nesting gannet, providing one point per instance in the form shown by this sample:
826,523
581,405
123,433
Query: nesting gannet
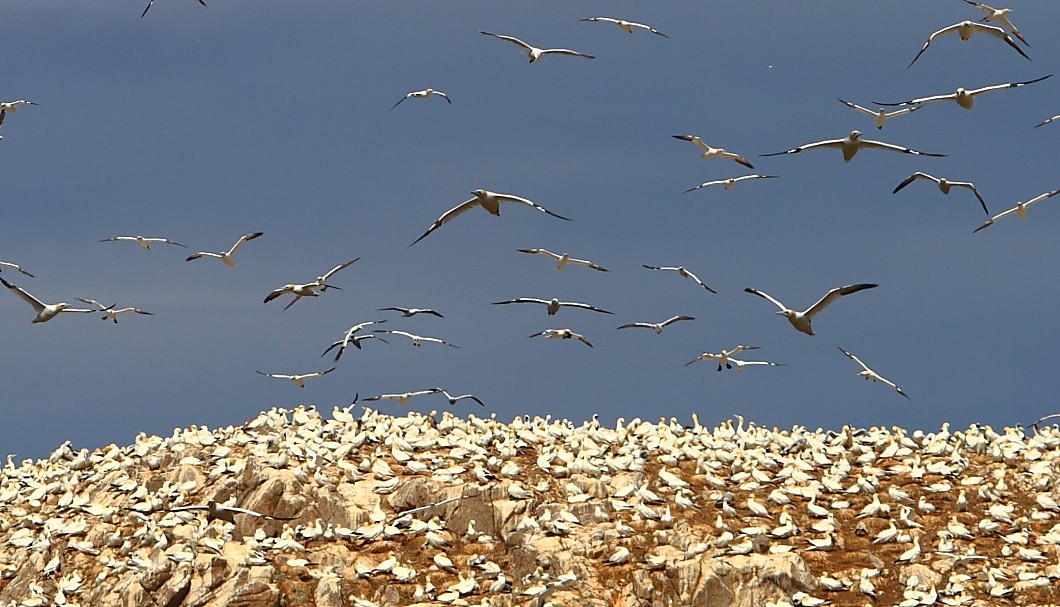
728,183
14,266
300,379
1047,121
880,116
656,326
535,53
407,312
11,106
552,305
850,146
711,152
417,340
1020,210
422,95
722,357
151,2
944,186
221,512
964,97
801,320
403,397
143,241
453,399
626,26
562,334
965,29
684,273
1001,16
871,375
487,200
563,260
299,291
226,256
45,312
111,313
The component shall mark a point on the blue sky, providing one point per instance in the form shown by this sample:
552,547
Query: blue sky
203,124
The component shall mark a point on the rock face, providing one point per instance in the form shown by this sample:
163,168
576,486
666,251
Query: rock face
382,510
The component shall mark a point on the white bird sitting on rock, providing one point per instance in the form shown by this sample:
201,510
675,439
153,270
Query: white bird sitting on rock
656,326
143,241
712,152
684,273
728,183
490,201
298,379
221,512
553,305
965,97
626,26
944,186
851,144
425,93
45,312
563,260
802,320
1020,210
881,115
226,256
534,53
871,375
965,29
111,313
564,333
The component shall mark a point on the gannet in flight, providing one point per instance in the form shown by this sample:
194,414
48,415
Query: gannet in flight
299,291
944,186
221,512
299,380
226,256
453,399
535,53
14,266
403,397
111,313
850,146
408,312
1047,121
552,305
563,260
656,326
1020,210
712,152
684,272
626,26
350,337
45,312
12,106
801,320
422,95
562,334
1001,16
417,340
880,116
143,241
871,375
722,357
490,201
965,29
151,2
728,183
322,281
964,97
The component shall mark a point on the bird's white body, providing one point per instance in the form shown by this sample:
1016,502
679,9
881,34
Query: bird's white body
417,340
490,201
728,183
1020,210
626,26
298,379
534,53
403,398
713,152
553,305
112,314
871,375
965,29
944,186
850,146
802,320
656,326
226,256
564,333
563,260
683,273
880,116
425,93
45,312
724,357
965,97
143,241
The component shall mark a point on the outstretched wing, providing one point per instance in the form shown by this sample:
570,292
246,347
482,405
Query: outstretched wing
448,215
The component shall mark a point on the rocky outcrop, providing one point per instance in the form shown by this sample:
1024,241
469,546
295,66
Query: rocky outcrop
382,510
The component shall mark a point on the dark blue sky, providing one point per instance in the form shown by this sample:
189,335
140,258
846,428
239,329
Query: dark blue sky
203,124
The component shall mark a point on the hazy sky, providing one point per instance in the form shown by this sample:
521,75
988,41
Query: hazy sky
204,124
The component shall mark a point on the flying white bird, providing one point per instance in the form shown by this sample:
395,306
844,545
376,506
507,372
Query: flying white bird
801,320
1047,121
417,340
965,97
723,357
552,305
226,256
728,183
350,339
111,313
300,379
656,326
1001,16
880,116
407,312
299,291
14,266
151,2
1020,210
711,152
684,273
221,512
322,281
944,186
403,397
850,146
487,200
871,375
562,334
563,260
453,399
535,53
12,106
626,26
143,241
965,29
422,95
45,312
